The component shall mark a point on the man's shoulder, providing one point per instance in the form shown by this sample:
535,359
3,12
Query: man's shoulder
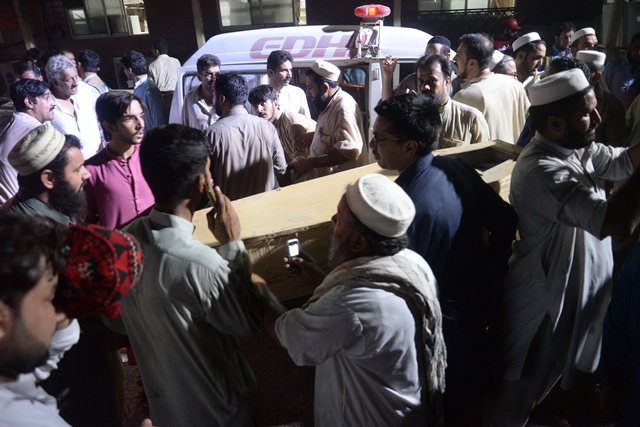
293,89
174,241
17,125
292,118
465,109
100,158
616,63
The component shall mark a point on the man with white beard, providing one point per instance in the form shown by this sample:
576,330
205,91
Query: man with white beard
359,327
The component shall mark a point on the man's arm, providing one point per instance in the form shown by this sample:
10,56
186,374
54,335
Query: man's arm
279,161
388,68
230,297
623,208
303,165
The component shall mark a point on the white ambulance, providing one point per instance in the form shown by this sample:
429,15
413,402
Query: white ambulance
357,50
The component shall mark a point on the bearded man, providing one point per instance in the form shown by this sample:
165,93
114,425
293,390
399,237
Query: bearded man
51,176
338,141
373,326
559,282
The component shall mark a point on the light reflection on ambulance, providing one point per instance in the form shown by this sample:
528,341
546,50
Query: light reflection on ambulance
246,52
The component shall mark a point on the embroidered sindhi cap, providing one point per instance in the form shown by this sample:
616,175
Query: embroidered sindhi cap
527,38
326,70
381,205
557,86
36,150
587,31
102,265
591,57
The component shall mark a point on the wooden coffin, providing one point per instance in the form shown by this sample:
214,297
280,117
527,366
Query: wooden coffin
304,211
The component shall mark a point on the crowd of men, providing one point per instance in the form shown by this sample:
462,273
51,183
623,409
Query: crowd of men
429,273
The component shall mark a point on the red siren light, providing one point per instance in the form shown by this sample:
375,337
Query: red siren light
372,11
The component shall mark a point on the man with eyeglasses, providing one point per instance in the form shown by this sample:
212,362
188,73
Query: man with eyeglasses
199,110
453,206
33,105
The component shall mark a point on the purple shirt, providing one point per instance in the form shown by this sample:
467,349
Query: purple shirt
116,192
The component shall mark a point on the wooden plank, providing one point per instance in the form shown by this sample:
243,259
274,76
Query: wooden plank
304,211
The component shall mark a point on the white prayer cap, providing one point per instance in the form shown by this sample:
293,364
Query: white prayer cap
326,70
381,205
36,150
557,86
496,57
591,57
581,33
527,38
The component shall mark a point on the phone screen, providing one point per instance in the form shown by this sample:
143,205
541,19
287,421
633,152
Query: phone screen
294,247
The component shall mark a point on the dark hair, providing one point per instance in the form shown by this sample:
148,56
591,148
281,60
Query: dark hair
160,45
634,38
26,89
233,86
593,68
428,60
24,241
565,63
262,93
90,60
501,67
136,61
23,67
377,244
207,61
113,105
34,54
479,47
528,47
414,117
319,80
32,182
562,108
278,57
171,158
565,28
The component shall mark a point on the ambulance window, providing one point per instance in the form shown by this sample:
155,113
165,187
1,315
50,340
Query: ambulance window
191,81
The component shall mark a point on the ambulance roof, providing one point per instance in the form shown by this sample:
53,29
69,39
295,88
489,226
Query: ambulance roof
306,43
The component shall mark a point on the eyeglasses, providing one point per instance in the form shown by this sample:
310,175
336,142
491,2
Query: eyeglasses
381,142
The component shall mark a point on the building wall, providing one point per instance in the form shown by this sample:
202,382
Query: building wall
50,29
340,12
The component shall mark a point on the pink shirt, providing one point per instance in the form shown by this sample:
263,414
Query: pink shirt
116,192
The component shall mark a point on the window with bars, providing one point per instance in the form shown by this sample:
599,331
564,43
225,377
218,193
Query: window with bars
445,5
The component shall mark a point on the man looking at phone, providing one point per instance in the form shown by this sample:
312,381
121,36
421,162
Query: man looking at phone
117,192
192,302
359,328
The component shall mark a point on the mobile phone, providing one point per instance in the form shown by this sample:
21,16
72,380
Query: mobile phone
211,194
293,248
